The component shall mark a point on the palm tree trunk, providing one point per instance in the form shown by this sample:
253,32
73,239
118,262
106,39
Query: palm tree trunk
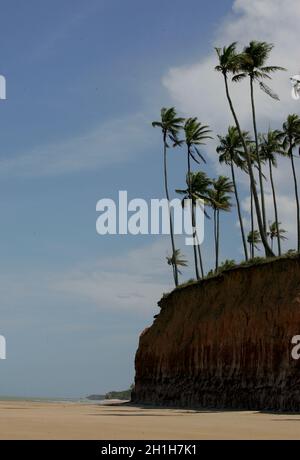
268,250
193,216
173,270
200,256
239,210
275,208
296,195
170,215
201,262
252,221
262,194
194,245
217,239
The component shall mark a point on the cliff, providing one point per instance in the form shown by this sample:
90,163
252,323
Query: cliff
225,342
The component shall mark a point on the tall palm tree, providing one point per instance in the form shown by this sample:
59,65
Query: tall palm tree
254,240
231,153
251,149
195,135
197,189
176,260
276,232
291,138
253,65
271,145
170,125
220,201
229,62
252,223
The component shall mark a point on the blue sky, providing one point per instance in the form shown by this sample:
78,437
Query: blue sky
84,82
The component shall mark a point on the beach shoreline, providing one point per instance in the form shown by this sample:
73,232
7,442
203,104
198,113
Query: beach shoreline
26,420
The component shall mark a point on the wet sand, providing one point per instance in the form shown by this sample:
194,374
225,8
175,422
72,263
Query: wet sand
40,420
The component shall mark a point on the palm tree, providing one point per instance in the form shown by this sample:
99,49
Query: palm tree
231,153
253,65
270,146
252,222
291,138
195,135
176,260
229,62
170,125
276,232
251,149
253,239
197,189
220,201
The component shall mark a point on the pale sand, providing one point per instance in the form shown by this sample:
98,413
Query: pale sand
35,420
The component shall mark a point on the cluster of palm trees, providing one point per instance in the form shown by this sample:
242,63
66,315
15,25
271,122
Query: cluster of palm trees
255,156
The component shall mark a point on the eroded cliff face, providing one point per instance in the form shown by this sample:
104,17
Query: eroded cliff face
225,342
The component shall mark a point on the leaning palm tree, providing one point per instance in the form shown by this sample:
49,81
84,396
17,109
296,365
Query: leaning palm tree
231,153
170,125
176,260
219,199
229,62
197,189
253,65
276,232
195,135
270,146
253,156
291,138
254,240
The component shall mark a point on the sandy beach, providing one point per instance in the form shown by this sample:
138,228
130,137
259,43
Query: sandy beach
36,420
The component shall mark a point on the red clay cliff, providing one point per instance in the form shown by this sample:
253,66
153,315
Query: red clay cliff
225,342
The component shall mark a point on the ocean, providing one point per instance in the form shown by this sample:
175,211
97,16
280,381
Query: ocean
53,400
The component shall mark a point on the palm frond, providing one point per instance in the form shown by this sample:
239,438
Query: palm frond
194,158
268,91
200,154
272,68
239,77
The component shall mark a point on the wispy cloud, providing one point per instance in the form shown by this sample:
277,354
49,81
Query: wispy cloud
133,281
130,282
111,143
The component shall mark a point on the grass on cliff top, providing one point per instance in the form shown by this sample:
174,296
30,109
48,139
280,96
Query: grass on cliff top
230,265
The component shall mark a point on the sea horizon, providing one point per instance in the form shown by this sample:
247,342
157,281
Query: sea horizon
58,399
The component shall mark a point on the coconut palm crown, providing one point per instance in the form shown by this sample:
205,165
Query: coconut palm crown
252,63
170,125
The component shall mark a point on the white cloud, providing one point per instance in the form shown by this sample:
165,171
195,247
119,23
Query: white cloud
132,281
198,90
113,142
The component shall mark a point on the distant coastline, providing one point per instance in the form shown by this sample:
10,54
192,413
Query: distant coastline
112,395
123,395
